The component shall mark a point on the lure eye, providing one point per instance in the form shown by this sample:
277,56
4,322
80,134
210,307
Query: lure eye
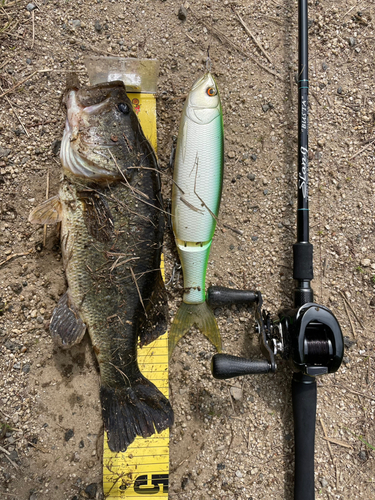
211,91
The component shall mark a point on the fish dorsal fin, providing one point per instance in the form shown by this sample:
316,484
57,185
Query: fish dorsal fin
48,212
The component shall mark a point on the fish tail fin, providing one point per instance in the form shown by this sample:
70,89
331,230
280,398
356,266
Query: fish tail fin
188,315
138,410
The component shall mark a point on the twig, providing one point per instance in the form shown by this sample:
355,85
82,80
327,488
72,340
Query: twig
11,461
224,39
190,38
36,447
4,450
356,317
363,149
237,231
231,401
350,320
354,392
139,292
337,441
47,70
4,63
14,256
14,111
33,23
252,36
326,435
45,225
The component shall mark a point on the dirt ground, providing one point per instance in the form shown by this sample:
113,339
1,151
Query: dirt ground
231,439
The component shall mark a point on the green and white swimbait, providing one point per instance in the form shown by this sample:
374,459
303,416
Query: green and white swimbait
198,178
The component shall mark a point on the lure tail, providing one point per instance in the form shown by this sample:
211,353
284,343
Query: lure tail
199,315
138,410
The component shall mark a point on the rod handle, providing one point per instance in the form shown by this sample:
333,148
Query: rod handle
304,413
218,296
227,366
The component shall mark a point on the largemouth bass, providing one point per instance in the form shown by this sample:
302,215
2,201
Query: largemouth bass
111,214
198,177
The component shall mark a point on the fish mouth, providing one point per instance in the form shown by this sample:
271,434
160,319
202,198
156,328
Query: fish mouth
81,147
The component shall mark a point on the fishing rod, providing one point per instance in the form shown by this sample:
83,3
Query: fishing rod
308,335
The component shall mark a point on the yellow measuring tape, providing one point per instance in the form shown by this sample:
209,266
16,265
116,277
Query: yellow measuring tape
142,471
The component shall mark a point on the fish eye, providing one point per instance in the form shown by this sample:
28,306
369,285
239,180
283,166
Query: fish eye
211,91
123,108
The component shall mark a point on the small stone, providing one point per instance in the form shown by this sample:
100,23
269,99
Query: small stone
14,456
76,23
56,147
236,393
16,287
362,455
366,262
182,13
253,157
4,152
26,368
91,490
265,191
69,434
323,482
324,66
239,473
231,154
28,60
265,107
339,90
30,7
346,360
349,343
17,366
251,177
352,41
254,238
81,444
98,27
33,495
220,466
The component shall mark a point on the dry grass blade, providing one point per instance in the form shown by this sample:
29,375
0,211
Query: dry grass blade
326,435
252,36
138,290
350,307
337,441
224,39
14,256
14,111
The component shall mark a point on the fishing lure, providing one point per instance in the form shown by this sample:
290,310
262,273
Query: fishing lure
197,187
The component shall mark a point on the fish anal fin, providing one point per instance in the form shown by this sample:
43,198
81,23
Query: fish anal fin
199,315
48,212
66,327
155,320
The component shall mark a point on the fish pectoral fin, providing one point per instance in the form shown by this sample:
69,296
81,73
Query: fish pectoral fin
199,315
48,212
155,319
66,327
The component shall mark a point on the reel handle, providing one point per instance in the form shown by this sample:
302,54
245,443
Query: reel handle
304,396
218,296
227,366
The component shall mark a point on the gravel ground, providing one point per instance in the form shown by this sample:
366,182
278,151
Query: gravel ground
231,439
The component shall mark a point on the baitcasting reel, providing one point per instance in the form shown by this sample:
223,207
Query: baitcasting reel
309,336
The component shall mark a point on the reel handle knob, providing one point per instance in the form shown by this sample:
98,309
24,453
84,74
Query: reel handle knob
227,366
218,296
